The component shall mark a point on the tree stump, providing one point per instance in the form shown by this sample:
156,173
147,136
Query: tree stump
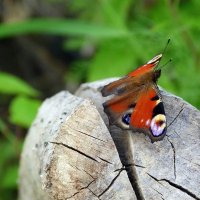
71,152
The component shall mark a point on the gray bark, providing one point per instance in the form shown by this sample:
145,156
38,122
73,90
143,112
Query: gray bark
70,154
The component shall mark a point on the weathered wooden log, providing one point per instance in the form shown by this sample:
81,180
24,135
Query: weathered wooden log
70,154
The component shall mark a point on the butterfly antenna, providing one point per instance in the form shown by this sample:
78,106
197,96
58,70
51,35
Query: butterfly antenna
163,52
170,60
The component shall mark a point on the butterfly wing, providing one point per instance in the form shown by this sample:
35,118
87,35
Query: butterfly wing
133,80
120,86
120,105
149,114
140,110
137,103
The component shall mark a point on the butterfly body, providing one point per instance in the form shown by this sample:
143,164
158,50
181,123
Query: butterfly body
137,102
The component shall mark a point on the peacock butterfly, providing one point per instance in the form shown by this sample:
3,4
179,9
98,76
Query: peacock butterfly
137,103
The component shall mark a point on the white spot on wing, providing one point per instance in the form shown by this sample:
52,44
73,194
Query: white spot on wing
147,122
156,128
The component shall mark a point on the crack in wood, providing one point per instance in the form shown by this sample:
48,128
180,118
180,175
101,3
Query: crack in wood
190,161
89,174
172,134
174,156
176,186
140,166
105,160
86,134
120,169
91,136
74,149
93,193
136,165
128,165
158,192
81,170
112,182
132,175
83,188
124,148
182,108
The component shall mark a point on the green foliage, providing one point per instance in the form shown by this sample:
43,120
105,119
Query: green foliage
109,55
128,33
123,35
23,110
60,27
10,176
8,162
12,85
148,26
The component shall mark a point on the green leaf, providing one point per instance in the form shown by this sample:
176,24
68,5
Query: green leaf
60,27
10,84
115,12
9,179
23,110
9,153
4,130
114,58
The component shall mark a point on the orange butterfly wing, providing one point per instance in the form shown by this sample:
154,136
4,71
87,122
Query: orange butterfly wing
149,114
137,104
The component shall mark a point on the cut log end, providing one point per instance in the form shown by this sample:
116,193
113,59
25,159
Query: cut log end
70,154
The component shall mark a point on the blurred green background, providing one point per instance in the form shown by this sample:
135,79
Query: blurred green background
50,45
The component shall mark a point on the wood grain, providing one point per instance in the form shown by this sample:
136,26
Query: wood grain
71,152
